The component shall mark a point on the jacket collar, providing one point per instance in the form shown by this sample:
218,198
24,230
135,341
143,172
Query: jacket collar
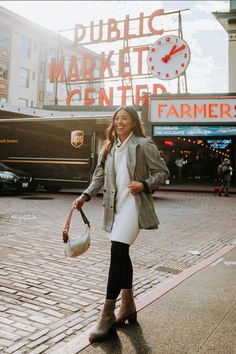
131,155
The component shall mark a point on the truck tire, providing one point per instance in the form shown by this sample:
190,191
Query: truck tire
53,189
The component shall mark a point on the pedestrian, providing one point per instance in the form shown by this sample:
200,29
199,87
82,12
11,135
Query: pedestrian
179,162
129,168
225,171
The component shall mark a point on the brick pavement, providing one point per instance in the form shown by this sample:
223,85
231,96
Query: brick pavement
45,299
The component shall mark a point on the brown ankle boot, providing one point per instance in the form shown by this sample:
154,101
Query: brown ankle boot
127,309
106,322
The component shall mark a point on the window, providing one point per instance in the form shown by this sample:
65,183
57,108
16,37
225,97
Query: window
23,102
25,47
3,71
4,38
24,77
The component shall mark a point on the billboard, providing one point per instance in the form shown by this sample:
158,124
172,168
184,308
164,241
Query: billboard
193,110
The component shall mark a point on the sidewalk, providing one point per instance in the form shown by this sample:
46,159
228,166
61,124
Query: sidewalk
46,300
196,315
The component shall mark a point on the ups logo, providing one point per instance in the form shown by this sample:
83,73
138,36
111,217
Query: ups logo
77,138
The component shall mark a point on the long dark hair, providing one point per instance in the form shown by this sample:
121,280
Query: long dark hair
111,135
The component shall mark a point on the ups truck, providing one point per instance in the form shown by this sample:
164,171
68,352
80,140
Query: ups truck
59,152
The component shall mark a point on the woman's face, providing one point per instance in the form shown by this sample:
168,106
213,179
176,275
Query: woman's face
123,124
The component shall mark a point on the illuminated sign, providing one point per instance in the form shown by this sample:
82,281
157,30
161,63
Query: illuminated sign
219,144
115,30
168,143
193,131
99,67
206,109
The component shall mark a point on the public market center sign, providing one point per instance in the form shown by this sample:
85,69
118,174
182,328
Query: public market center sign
109,32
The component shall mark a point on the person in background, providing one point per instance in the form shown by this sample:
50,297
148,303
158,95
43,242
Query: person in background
179,162
225,171
130,168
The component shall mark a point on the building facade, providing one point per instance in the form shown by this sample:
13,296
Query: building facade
26,50
228,21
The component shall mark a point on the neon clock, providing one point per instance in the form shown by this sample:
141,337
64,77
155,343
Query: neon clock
168,57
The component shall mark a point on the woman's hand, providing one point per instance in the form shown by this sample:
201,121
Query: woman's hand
135,187
79,202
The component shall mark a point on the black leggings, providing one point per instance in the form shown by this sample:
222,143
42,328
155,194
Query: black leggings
121,270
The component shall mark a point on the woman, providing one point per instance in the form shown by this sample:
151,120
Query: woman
130,168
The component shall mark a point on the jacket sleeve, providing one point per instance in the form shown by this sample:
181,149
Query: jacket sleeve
97,179
156,165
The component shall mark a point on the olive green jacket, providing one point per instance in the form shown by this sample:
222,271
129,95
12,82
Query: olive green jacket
144,163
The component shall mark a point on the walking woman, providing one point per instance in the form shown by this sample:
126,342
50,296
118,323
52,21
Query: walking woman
130,168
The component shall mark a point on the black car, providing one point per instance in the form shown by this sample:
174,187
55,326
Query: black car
13,180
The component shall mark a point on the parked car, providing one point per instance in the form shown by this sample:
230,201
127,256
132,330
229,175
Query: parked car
13,180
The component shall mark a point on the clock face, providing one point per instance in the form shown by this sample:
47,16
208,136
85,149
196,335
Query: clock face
168,57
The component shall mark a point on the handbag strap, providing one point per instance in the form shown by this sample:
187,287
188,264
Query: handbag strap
84,217
68,221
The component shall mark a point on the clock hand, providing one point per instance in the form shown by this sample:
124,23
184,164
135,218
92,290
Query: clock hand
166,58
183,46
173,51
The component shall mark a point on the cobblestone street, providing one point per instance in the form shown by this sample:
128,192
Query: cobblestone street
46,299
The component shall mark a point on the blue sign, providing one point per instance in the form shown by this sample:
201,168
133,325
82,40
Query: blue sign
219,144
194,131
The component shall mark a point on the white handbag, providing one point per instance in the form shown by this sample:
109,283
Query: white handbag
77,245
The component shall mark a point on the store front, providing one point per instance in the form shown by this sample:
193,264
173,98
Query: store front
195,133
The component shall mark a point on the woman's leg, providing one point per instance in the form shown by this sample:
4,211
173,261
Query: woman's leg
120,276
121,279
121,270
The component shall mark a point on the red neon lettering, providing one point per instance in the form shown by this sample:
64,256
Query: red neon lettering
141,17
156,87
89,100
199,110
126,28
225,110
150,20
73,73
139,98
57,72
122,63
160,109
103,97
87,71
71,94
78,38
105,64
145,99
211,110
100,32
124,89
112,28
172,112
185,110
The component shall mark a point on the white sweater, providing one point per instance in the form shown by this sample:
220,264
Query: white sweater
125,227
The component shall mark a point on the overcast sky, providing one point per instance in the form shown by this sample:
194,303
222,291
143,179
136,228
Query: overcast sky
208,41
